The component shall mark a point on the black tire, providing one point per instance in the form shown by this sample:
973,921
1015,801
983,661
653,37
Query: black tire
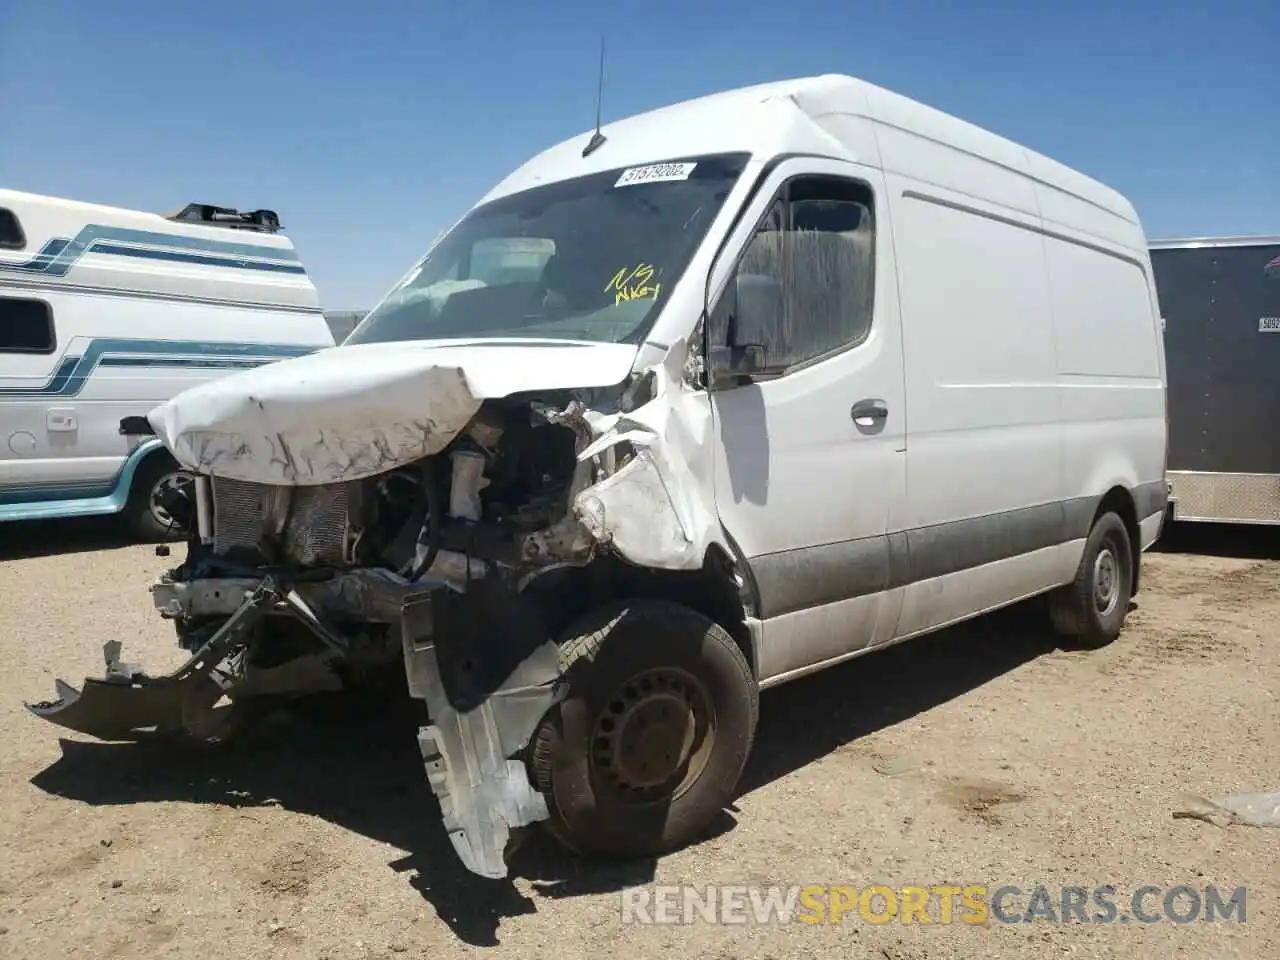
1092,608
644,666
138,513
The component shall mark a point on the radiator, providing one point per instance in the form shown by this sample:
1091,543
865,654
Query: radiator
314,519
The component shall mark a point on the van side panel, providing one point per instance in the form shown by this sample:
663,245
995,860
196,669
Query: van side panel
1110,361
1102,312
984,448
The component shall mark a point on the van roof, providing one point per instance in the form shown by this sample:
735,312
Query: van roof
799,115
190,225
92,248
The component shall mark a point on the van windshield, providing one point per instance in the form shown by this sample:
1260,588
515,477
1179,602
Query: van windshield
592,258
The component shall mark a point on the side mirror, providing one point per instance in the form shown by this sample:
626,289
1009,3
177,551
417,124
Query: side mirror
732,366
755,312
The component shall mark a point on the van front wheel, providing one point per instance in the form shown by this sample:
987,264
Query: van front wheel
1092,608
648,745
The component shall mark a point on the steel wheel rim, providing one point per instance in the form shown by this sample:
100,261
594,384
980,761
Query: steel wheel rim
1106,580
654,737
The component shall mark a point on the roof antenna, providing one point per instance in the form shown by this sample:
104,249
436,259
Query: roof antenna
597,138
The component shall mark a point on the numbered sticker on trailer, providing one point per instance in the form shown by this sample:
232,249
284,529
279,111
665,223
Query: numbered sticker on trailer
655,173
1269,325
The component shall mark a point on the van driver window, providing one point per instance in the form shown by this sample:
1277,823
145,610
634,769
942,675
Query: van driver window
26,326
817,246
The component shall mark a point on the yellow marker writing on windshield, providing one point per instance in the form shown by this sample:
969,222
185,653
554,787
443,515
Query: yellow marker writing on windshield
633,284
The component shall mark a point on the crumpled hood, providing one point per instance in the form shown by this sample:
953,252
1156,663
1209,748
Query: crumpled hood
345,413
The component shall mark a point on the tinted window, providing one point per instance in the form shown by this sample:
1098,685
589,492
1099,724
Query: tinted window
591,258
11,236
26,326
815,249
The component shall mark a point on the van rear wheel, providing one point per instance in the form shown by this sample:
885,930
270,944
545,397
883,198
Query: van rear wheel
650,741
1092,608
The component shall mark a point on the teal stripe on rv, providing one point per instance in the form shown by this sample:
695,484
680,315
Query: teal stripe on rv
72,371
53,501
60,254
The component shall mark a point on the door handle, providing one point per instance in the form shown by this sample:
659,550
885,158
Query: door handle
866,412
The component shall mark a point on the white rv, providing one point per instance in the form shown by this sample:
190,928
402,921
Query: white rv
105,313
721,395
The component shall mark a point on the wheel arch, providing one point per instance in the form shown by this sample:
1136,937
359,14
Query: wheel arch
137,464
1119,500
720,590
715,591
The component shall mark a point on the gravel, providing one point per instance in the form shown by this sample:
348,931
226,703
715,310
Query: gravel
980,755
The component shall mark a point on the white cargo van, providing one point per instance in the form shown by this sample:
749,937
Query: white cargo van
725,394
104,313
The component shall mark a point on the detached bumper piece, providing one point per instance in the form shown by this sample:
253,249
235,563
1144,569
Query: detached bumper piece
470,747
118,708
128,705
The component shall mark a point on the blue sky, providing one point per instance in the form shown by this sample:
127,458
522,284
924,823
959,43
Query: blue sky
372,126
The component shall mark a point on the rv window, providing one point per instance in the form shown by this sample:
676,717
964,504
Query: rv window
816,246
26,326
11,235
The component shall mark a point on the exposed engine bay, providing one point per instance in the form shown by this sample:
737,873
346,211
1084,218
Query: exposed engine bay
497,494
455,571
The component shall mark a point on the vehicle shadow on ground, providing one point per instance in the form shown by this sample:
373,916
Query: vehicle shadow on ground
804,720
1246,542
28,539
357,766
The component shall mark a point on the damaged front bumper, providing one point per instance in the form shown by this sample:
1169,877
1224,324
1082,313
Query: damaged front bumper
127,703
470,748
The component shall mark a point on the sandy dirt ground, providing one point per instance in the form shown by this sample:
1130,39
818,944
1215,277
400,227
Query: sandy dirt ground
981,755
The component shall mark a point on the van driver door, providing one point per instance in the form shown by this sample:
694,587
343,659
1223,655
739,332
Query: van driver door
807,394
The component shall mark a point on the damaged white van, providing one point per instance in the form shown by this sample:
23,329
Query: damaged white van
710,399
